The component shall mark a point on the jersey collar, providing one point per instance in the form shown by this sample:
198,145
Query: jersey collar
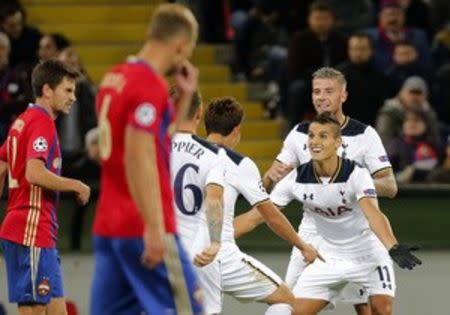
333,177
39,108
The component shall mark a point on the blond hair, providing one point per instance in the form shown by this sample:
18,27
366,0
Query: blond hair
330,73
170,20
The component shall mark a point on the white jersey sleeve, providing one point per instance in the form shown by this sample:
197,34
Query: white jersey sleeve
282,194
288,155
362,184
216,175
375,157
250,182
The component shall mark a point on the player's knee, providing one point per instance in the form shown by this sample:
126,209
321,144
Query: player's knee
281,295
381,307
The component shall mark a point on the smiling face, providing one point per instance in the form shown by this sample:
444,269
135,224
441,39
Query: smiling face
323,141
328,95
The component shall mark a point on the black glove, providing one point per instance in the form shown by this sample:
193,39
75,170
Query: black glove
402,255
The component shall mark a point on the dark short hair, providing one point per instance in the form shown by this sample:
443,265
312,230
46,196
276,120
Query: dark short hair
223,115
320,5
60,40
196,101
326,118
50,72
9,8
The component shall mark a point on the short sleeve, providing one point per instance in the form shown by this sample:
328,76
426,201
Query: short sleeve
250,182
282,195
41,139
217,173
287,154
147,109
375,157
362,184
3,156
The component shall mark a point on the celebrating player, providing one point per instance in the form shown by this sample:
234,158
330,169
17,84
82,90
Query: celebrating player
359,142
140,265
234,272
31,156
340,196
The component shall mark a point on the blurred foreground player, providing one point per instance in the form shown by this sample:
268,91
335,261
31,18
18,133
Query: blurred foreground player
140,265
32,158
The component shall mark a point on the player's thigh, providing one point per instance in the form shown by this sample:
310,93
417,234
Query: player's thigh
210,280
246,278
111,293
34,274
281,295
32,309
321,281
377,277
304,306
57,306
170,287
296,262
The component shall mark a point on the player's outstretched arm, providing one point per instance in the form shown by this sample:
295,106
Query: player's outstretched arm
37,174
278,223
247,222
143,182
3,174
385,183
214,218
380,225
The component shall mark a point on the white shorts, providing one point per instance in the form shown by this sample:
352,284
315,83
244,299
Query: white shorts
326,280
236,274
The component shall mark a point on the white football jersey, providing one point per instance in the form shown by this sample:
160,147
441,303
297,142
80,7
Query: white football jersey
242,177
360,142
195,163
333,206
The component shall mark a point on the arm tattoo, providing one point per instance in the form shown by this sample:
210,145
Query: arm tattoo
214,217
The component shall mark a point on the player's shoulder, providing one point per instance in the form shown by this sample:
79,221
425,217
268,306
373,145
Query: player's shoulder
347,168
233,156
354,128
305,174
206,144
301,128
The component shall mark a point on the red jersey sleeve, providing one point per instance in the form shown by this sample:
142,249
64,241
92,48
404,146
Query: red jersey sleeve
40,140
147,111
3,152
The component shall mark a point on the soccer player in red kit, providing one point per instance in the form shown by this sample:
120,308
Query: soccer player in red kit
140,265
32,159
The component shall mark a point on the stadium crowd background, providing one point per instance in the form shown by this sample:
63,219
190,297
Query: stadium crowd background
395,55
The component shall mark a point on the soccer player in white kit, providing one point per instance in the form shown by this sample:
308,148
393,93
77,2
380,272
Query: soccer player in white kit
233,272
340,196
360,142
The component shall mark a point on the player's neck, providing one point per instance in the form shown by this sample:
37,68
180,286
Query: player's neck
187,127
340,117
326,168
155,55
42,103
217,139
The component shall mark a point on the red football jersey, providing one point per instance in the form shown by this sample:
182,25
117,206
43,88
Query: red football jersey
31,211
131,94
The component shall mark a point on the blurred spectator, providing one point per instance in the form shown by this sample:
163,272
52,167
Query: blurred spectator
418,15
51,45
352,15
15,91
441,174
416,151
443,93
72,129
365,83
391,29
24,38
413,95
440,13
260,44
405,64
319,45
441,46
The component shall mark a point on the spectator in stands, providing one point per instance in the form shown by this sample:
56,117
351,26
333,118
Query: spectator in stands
15,90
365,83
416,151
51,45
418,15
72,129
442,91
405,64
392,29
413,95
440,13
319,45
441,46
23,37
441,174
352,15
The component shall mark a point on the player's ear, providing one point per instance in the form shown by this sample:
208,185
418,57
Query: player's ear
338,141
47,91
